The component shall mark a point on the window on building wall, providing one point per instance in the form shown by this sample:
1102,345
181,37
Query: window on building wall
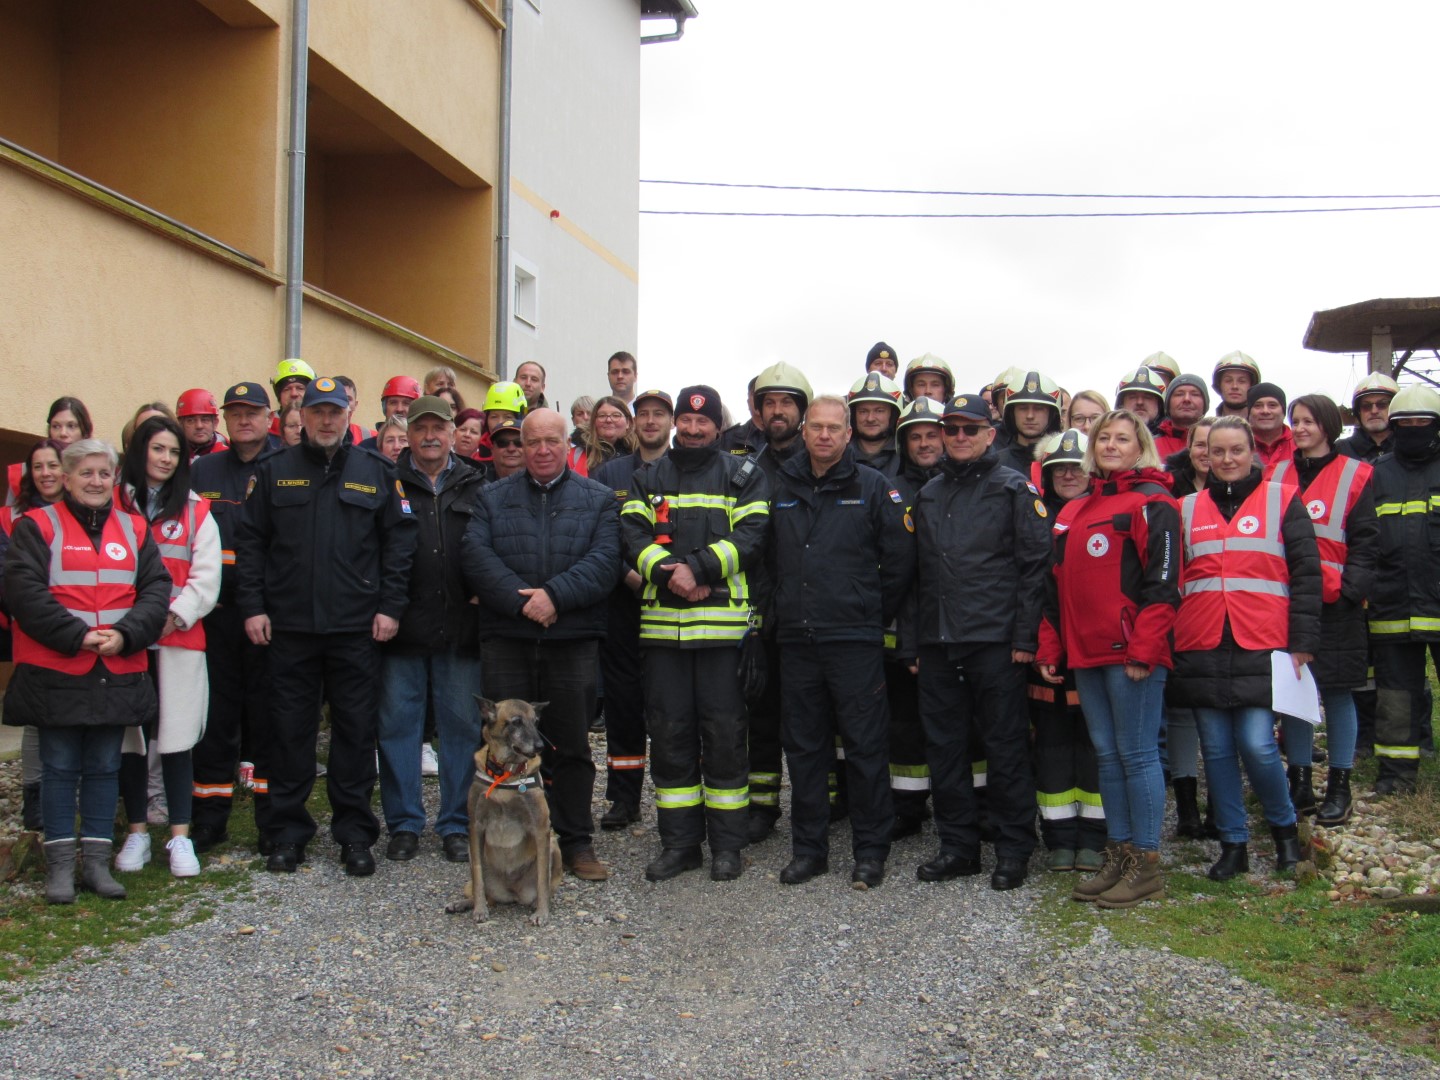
525,296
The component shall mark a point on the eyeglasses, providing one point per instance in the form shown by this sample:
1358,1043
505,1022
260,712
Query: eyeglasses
1374,406
968,430
506,444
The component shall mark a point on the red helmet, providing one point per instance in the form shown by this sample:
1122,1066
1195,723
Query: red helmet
196,403
401,386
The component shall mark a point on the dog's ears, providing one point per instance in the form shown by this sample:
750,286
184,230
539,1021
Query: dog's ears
539,707
487,708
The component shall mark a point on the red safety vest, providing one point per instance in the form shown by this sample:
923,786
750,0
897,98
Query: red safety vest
175,538
97,587
1328,500
1235,570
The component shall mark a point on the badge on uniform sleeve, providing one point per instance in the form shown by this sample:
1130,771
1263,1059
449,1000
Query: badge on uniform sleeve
1040,509
405,506
399,489
895,496
1033,489
250,485
909,523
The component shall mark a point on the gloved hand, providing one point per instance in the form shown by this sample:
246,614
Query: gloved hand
751,668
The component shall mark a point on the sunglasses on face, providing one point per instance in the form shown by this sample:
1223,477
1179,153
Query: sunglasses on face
506,444
968,430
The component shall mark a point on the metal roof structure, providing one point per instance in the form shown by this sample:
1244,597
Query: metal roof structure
1380,327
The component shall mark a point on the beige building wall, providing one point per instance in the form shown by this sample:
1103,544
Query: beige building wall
182,107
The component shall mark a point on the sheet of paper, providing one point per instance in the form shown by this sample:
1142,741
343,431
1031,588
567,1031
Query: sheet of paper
1290,696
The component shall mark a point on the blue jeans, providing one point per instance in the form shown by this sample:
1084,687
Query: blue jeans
452,681
87,758
1341,725
1227,736
1124,718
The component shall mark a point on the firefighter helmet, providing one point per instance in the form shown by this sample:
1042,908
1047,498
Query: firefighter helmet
1235,361
933,364
872,386
1144,380
783,378
1374,383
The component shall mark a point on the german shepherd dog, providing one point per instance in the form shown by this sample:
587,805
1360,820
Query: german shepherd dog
514,857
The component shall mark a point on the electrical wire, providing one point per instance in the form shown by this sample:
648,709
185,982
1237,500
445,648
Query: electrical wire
1076,214
1007,194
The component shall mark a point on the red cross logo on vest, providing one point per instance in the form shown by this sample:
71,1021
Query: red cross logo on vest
1316,509
1248,524
172,530
1097,545
116,551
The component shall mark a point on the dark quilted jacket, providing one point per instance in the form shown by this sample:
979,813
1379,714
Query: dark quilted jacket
565,539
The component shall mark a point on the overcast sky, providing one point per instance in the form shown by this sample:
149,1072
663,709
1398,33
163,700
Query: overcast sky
1216,98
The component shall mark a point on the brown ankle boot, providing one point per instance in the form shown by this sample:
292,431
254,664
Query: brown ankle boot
1139,881
1090,889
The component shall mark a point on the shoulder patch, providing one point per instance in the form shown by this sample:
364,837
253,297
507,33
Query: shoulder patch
895,496
250,485
1033,489
909,523
1040,508
399,489
405,506
369,489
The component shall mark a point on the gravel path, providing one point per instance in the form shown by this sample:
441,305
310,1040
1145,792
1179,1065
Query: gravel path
321,975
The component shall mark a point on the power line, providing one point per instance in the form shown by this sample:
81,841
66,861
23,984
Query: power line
1006,194
1093,214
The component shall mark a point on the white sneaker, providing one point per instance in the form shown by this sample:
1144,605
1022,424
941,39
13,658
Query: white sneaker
135,852
183,862
429,763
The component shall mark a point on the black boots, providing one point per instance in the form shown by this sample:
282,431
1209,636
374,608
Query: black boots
1234,859
1337,806
1187,808
1287,847
1302,788
30,808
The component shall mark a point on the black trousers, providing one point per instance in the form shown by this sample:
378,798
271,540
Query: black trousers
239,714
1402,706
563,674
624,700
829,690
909,771
1067,776
305,670
969,690
764,739
698,761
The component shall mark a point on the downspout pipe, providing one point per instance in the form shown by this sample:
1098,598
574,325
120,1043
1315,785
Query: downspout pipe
676,35
502,200
295,180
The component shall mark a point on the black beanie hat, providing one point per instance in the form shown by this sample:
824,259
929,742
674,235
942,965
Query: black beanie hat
1265,389
700,399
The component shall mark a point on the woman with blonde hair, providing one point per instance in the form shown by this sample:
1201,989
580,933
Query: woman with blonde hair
1085,408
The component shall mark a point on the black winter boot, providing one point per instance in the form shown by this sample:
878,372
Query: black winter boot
1187,808
1287,847
1234,859
30,808
1338,805
1302,788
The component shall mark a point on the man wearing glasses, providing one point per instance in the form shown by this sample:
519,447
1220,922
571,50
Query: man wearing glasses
984,547
1371,406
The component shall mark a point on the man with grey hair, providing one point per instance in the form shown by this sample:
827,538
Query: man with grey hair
843,557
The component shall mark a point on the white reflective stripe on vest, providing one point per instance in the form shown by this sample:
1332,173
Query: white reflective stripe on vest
60,576
1332,525
1254,585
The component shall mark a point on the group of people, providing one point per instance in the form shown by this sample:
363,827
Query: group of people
991,608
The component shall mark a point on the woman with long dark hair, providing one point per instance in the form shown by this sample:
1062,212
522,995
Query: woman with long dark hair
155,484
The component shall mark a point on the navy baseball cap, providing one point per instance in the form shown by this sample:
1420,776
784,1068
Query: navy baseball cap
247,393
658,395
325,391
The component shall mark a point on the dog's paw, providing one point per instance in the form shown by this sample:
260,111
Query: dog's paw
458,907
480,913
539,918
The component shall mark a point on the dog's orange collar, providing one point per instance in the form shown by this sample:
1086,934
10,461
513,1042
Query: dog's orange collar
507,778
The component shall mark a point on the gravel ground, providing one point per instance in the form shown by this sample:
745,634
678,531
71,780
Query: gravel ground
320,974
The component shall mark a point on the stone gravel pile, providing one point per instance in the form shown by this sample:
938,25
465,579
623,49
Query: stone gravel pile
318,974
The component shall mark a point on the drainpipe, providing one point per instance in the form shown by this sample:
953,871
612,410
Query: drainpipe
295,180
656,39
502,201
687,11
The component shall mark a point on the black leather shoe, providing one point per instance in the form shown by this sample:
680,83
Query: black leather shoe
802,868
1287,847
905,826
867,874
725,865
205,837
284,858
673,861
264,845
403,846
456,847
1009,874
760,826
619,815
1234,859
358,860
948,865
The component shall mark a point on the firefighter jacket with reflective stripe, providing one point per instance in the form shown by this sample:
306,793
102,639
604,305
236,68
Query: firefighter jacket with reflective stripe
1405,605
984,545
1330,496
842,554
1114,585
94,583
224,480
326,542
711,511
